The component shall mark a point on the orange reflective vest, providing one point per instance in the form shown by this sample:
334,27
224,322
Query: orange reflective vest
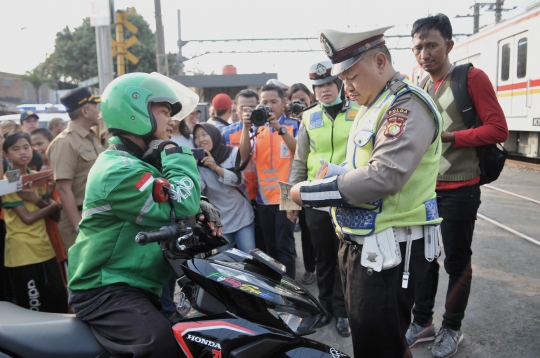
232,138
273,161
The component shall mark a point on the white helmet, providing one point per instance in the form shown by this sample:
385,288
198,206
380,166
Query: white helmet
321,73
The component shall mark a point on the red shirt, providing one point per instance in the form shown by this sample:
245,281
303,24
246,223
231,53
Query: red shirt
494,128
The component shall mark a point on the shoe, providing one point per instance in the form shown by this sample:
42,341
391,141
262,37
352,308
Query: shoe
174,318
308,278
417,333
342,326
446,343
325,320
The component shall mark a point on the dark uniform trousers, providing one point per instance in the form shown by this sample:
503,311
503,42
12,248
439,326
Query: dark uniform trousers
326,246
307,244
458,208
278,234
379,309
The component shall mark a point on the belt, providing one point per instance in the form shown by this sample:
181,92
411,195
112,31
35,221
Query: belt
417,232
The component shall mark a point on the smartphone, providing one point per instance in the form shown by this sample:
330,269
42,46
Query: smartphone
198,153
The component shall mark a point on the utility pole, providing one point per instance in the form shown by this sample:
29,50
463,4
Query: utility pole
102,13
161,57
180,59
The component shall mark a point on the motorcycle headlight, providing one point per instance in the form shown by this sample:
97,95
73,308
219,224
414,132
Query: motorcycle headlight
299,325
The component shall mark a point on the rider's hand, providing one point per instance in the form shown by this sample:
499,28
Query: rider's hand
155,147
210,215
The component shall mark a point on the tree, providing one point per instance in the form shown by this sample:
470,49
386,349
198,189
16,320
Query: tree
75,58
36,79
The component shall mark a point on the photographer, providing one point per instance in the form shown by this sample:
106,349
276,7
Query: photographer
323,135
275,145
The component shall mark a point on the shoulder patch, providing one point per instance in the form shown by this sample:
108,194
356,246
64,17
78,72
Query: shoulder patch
395,125
351,114
316,120
399,111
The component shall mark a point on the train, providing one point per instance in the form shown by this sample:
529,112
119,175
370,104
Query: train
509,53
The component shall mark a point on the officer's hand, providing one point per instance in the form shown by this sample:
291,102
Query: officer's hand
210,215
295,193
273,121
246,115
155,147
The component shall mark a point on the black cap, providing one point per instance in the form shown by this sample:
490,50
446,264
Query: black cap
27,114
77,98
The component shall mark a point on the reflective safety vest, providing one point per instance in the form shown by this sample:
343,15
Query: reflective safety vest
327,138
232,136
273,162
415,204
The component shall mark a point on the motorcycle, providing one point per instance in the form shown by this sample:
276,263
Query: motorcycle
246,307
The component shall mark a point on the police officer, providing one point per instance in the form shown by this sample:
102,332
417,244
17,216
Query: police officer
323,137
72,153
386,191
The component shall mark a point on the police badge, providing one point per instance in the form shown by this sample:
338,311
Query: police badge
326,46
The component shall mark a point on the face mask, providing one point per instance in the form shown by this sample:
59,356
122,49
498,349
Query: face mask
336,101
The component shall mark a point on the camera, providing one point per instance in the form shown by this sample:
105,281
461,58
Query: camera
296,106
259,115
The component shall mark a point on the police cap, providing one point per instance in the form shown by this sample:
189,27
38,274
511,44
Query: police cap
321,73
345,48
77,98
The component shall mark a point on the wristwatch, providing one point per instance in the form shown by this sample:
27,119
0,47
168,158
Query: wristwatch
282,131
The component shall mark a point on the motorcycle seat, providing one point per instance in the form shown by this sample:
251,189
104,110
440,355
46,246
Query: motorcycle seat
26,333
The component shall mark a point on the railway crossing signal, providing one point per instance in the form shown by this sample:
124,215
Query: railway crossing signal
120,46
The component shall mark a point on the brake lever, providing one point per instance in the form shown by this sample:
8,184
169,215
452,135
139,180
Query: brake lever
180,242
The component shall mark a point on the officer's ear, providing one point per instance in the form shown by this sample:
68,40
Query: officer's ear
380,61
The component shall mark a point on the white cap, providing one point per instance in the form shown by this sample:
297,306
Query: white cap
345,48
321,73
275,82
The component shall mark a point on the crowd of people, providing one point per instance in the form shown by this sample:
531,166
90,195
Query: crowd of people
363,147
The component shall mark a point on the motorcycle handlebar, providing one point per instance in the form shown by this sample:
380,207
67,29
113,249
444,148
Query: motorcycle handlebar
163,234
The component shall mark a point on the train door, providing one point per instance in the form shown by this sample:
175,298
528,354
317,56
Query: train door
513,79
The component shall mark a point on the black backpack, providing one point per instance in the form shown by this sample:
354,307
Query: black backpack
492,156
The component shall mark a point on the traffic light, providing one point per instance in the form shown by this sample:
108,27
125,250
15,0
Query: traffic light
119,46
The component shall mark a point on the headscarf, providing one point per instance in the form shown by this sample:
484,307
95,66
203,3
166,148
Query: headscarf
219,151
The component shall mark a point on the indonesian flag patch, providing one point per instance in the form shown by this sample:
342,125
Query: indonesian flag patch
146,180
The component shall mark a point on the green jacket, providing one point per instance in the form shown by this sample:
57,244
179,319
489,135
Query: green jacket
118,205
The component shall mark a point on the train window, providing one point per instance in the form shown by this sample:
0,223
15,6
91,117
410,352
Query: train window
522,58
505,62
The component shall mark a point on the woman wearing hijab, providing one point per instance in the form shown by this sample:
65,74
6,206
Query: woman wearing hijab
222,185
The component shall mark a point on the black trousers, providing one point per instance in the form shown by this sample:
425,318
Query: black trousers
458,208
259,237
326,246
128,323
379,309
278,234
308,253
39,287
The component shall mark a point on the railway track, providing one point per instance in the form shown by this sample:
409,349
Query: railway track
505,227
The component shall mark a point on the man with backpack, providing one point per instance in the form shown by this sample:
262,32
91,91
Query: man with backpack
459,178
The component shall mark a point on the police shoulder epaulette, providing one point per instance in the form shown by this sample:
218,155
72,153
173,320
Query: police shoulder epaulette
395,86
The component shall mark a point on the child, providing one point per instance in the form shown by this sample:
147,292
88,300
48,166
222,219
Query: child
30,259
41,138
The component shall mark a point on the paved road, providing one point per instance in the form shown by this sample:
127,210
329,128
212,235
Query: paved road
503,316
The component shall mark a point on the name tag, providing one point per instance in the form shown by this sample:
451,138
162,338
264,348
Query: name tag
284,152
316,121
87,150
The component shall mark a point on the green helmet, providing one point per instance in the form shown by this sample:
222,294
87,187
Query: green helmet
125,103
